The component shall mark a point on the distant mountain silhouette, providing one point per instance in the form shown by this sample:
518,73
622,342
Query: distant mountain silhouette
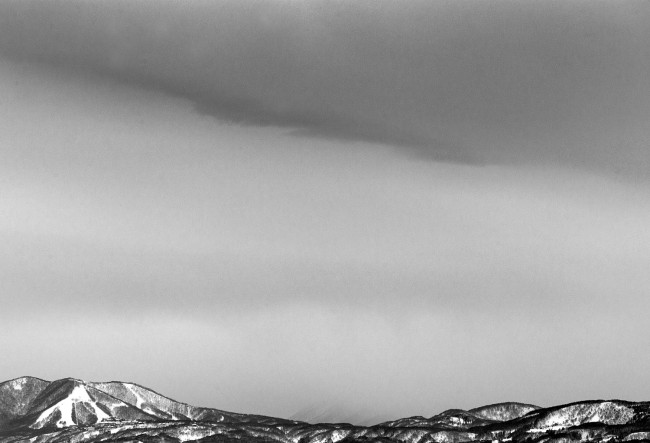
75,411
328,412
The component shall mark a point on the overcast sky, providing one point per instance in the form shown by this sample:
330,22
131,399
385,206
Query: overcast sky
388,208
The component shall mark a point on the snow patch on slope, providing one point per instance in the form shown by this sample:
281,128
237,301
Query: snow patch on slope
608,412
139,401
191,433
18,384
65,408
638,436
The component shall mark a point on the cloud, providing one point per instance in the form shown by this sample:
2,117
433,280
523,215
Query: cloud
282,270
111,191
501,82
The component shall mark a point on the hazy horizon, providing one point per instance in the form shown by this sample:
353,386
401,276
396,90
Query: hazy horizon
383,208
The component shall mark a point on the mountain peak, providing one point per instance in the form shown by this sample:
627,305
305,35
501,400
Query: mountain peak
504,411
21,381
78,407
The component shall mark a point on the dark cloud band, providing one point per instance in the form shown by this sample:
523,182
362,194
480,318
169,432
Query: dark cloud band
498,82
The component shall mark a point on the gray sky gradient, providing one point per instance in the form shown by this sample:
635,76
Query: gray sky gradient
287,252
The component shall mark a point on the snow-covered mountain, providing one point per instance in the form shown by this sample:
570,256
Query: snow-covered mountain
75,411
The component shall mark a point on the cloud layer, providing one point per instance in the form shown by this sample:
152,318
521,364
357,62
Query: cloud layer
297,248
458,81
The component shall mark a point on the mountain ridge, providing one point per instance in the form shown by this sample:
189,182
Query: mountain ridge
71,410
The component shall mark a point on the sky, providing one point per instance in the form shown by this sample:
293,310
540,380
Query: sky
374,208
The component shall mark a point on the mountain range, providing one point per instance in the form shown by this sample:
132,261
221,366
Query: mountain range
75,411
